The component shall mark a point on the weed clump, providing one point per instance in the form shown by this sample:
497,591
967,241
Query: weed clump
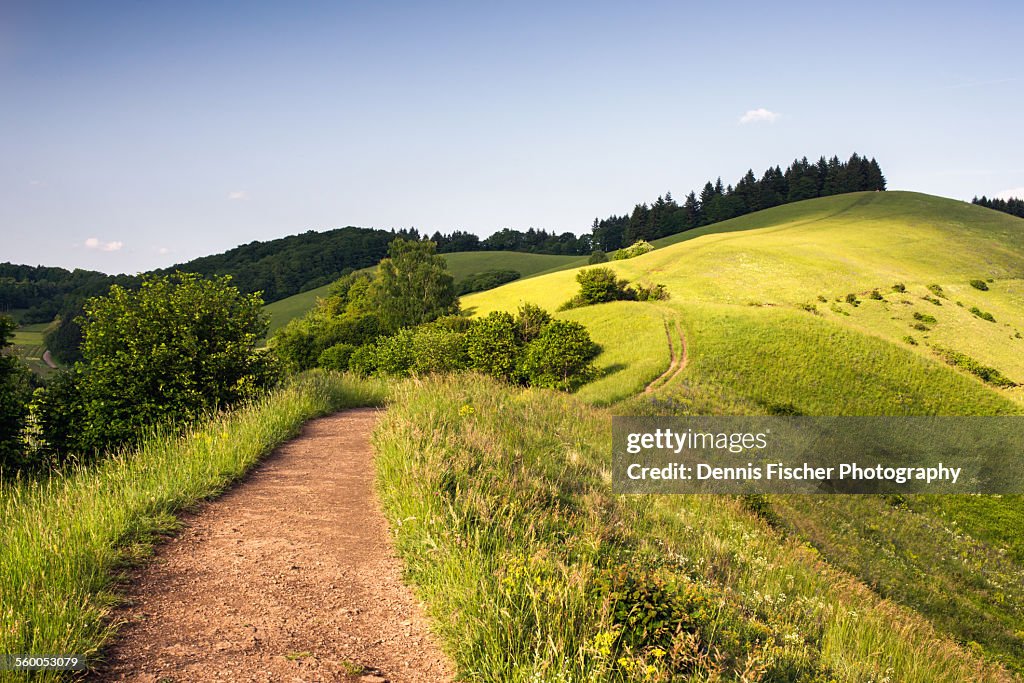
980,285
937,291
899,287
851,299
931,300
910,340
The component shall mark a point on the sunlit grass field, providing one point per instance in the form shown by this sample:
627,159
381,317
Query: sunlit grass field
27,344
64,539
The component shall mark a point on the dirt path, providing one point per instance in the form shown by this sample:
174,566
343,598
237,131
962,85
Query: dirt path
290,576
677,359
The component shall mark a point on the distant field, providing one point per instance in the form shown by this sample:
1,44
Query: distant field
28,345
460,264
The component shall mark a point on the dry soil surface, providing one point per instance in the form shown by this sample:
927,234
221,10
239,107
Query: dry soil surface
290,576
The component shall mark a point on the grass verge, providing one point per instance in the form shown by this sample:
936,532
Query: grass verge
501,507
65,540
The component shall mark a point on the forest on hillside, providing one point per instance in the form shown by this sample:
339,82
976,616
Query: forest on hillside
1012,206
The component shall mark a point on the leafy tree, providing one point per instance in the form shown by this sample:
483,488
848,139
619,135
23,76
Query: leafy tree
560,357
488,279
412,286
15,390
597,256
531,319
176,348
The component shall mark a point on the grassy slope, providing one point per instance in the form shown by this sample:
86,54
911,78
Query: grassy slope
534,571
460,264
739,288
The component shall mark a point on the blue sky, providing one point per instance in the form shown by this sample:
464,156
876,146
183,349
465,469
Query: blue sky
135,135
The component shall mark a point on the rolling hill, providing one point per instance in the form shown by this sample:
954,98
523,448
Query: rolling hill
859,304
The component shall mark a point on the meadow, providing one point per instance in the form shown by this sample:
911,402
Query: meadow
67,538
533,570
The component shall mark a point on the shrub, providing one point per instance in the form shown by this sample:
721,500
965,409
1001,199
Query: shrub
394,355
488,279
493,346
910,340
638,248
921,327
899,287
177,348
599,285
363,360
925,318
822,299
650,292
985,373
851,298
979,284
937,291
597,256
931,300
336,357
530,320
984,315
559,358
810,308
876,295
435,349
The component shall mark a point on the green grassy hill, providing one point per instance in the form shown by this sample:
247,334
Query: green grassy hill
765,307
460,264
769,288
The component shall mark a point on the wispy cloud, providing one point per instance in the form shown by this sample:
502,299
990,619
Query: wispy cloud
163,250
760,115
1016,192
238,195
94,243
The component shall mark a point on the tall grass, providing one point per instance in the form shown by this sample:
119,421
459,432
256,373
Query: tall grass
501,506
64,540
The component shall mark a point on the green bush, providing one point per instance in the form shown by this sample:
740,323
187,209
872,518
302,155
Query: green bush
179,347
435,349
493,345
530,320
851,298
925,318
979,284
983,372
931,300
597,256
937,291
984,315
899,287
559,358
336,357
876,295
638,248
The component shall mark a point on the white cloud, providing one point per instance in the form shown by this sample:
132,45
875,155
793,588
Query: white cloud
238,195
94,243
163,250
1017,192
759,115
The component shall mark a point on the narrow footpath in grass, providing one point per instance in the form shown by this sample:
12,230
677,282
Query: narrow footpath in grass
290,576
